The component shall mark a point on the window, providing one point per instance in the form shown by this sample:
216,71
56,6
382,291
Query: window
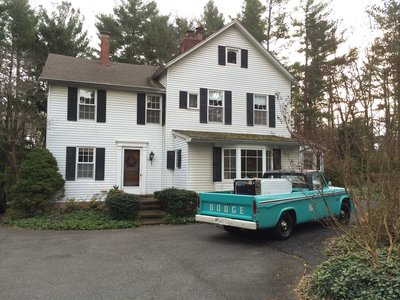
85,164
179,158
87,104
192,100
269,159
308,160
232,56
153,109
229,163
215,106
251,163
260,109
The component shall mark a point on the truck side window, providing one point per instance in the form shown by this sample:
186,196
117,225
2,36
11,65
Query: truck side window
318,181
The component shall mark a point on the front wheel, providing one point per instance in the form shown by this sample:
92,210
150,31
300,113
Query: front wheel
344,214
284,227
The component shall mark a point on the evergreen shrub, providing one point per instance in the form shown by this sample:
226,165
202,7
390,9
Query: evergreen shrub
121,205
38,184
178,202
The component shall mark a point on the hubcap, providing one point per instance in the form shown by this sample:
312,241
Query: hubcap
284,225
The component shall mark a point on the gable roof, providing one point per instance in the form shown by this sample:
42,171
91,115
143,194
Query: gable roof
84,72
247,34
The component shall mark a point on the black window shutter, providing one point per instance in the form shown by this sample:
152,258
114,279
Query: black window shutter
182,99
70,164
170,160
164,109
249,109
244,58
72,104
228,107
101,106
271,111
221,55
100,160
217,164
179,159
203,105
277,159
141,109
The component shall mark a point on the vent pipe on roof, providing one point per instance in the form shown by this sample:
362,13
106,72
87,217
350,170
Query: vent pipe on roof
105,48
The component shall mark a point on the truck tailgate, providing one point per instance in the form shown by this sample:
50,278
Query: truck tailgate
227,205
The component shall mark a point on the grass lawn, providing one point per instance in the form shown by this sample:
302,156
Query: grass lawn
79,219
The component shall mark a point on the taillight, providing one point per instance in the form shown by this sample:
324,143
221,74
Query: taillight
198,201
254,207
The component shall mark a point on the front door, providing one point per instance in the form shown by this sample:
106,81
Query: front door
131,170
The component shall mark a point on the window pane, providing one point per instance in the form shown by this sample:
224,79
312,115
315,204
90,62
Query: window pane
229,163
260,117
215,114
153,116
215,95
232,56
193,100
251,161
85,170
86,96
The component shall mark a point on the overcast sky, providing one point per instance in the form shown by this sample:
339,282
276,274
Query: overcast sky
352,12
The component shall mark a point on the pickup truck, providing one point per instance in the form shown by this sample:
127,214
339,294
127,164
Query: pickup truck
278,201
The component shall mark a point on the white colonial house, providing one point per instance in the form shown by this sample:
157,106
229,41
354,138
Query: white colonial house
208,116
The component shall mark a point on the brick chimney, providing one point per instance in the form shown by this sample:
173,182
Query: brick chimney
105,48
191,39
198,36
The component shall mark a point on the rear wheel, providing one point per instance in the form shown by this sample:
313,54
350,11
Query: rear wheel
344,214
284,227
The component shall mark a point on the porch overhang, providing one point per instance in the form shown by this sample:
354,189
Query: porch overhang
233,138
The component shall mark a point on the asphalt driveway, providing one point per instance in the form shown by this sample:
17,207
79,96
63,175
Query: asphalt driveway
156,262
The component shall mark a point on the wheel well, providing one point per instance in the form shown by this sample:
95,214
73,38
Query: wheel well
347,201
292,212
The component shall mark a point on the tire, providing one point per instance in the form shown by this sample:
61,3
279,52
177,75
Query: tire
284,227
344,214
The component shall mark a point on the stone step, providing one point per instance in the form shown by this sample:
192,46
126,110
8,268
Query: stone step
152,221
151,207
151,213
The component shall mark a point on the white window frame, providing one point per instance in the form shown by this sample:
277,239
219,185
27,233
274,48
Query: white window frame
230,169
87,104
188,100
262,110
85,163
237,50
221,107
154,109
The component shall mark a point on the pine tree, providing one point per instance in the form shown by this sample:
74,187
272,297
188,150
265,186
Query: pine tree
19,118
276,24
319,39
252,17
211,19
139,34
386,67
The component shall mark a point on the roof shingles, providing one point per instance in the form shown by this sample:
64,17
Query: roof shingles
67,69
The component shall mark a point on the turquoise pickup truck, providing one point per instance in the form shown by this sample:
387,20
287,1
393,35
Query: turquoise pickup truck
278,201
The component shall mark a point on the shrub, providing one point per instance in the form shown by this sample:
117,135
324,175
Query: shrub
122,206
352,276
38,184
178,202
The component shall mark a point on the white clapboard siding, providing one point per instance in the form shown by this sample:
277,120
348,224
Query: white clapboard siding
200,174
120,126
180,177
200,69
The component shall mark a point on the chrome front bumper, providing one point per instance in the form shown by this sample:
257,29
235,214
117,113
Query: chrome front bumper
227,222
